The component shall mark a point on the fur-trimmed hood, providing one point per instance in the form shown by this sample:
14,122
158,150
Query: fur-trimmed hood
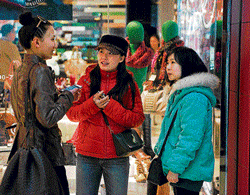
203,83
197,80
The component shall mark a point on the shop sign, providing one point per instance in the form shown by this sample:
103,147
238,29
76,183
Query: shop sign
33,3
28,3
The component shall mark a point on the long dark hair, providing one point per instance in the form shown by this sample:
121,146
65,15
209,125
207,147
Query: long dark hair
189,61
124,81
32,27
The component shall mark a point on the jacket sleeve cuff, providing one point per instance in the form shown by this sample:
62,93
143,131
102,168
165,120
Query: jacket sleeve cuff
69,95
90,106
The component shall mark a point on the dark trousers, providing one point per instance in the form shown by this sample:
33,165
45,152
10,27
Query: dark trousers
182,191
61,173
151,189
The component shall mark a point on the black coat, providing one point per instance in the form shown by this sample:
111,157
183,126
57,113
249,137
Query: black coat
49,106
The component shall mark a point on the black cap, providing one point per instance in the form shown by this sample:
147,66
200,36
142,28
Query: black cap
113,43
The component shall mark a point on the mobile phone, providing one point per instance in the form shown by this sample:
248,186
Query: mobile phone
102,95
72,87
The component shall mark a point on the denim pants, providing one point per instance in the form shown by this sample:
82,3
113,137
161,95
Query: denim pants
89,171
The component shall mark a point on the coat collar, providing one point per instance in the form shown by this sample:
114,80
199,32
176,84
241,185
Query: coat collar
196,80
31,59
108,75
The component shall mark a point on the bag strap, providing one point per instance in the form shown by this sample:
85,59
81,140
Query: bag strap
169,130
107,122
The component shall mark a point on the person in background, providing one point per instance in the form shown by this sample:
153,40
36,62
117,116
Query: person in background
109,88
10,58
188,157
37,36
154,42
154,45
8,50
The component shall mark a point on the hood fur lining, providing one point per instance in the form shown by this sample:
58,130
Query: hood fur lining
198,79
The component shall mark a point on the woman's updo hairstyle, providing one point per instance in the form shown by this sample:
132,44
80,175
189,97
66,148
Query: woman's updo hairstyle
32,27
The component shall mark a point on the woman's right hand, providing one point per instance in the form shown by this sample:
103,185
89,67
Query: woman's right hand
76,93
172,177
100,101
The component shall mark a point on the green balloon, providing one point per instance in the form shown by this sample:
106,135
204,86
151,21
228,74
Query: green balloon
169,30
135,32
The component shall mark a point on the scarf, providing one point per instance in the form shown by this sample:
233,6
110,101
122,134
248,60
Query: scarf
141,58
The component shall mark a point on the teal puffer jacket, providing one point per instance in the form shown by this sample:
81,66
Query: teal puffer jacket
189,149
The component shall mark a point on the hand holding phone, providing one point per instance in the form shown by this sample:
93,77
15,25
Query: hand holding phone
75,90
72,87
102,95
101,100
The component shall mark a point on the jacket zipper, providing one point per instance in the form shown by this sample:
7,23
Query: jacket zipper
107,130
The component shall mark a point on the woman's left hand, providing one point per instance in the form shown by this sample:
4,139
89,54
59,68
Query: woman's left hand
100,101
172,177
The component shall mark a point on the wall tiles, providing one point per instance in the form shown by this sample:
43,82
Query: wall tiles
232,143
244,114
244,59
234,57
245,10
236,7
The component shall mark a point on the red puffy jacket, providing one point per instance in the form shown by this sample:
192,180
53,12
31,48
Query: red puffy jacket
92,136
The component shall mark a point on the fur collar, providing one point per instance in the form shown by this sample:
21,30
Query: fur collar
198,79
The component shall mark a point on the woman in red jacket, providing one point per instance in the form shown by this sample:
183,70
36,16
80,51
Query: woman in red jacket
107,87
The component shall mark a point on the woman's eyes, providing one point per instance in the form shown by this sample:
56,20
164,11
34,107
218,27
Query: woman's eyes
109,53
171,62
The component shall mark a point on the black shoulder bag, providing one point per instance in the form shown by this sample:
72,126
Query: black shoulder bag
156,174
29,170
126,142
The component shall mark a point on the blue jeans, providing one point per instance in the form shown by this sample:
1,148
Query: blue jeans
89,171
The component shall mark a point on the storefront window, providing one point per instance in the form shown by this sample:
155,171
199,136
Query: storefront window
200,25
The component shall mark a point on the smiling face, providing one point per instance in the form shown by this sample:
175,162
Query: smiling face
154,43
48,44
108,61
173,69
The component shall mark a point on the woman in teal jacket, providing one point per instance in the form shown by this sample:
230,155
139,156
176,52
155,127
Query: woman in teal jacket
188,157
